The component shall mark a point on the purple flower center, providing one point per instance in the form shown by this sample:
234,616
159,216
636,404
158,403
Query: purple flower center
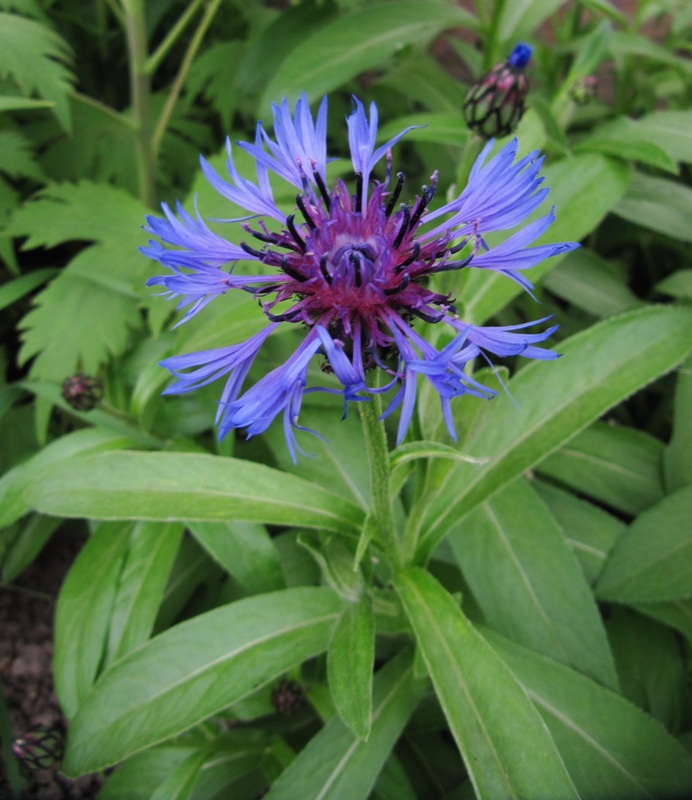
349,268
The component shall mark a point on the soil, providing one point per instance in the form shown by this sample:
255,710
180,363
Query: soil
27,608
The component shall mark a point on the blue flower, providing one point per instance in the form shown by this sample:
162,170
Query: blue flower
351,269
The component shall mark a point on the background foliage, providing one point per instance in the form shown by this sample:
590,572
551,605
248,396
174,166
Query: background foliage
537,642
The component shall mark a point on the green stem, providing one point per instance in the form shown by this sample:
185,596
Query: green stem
140,89
177,86
378,460
163,49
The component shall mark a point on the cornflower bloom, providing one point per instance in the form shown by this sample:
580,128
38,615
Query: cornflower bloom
352,270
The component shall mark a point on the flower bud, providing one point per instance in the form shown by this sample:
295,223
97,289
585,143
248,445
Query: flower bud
287,698
41,748
495,104
82,392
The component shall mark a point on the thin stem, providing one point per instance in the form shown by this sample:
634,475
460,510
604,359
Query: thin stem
378,460
116,116
177,86
163,49
140,88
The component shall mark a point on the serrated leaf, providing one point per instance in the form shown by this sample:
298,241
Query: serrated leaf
610,747
182,486
652,560
554,401
85,211
677,459
490,717
528,585
196,669
14,290
16,158
352,44
336,765
37,60
68,329
10,103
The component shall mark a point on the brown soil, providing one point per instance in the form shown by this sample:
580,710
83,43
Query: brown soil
27,608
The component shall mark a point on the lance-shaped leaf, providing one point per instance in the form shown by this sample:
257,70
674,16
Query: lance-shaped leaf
182,486
349,666
554,401
195,670
336,764
505,744
528,584
652,559
611,748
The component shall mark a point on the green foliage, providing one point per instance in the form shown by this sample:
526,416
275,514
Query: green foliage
527,621
37,59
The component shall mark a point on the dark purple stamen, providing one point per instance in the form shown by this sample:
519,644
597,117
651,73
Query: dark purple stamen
252,252
292,273
300,201
400,288
415,252
400,179
359,192
323,190
297,238
324,271
406,216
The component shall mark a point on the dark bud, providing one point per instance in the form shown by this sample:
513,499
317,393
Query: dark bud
287,698
495,104
39,749
82,392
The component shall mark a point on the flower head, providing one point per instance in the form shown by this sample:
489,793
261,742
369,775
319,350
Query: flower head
354,270
495,103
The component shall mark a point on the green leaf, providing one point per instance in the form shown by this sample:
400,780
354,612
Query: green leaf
67,328
671,130
196,669
37,59
624,138
619,466
677,459
84,611
591,283
678,284
190,486
16,157
490,717
658,204
147,565
14,290
349,666
521,17
351,45
650,666
676,614
336,765
245,550
652,560
554,401
589,530
512,541
449,129
610,748
180,783
583,188
642,47
10,103
14,484
33,534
